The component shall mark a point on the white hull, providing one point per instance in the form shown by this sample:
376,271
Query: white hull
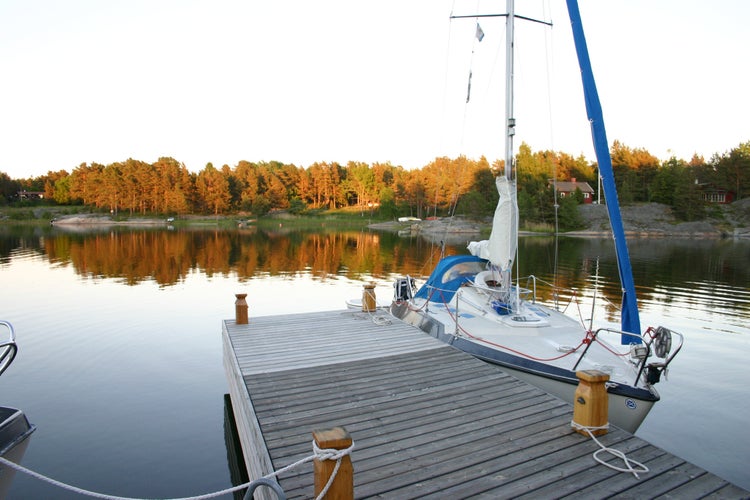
461,306
624,412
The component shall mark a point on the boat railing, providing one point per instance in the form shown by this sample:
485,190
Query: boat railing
654,343
8,348
530,287
432,290
574,296
525,293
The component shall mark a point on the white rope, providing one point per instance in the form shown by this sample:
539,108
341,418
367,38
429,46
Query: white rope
320,454
640,468
330,454
378,319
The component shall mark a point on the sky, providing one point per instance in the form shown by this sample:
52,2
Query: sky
300,82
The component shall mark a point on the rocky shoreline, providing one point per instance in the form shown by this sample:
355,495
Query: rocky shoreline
639,220
657,220
97,220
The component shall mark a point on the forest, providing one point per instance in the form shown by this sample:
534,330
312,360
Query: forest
443,187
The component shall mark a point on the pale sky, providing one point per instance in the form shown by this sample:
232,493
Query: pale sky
299,81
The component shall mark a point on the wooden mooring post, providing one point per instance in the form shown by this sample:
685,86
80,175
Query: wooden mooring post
591,404
342,487
369,302
240,309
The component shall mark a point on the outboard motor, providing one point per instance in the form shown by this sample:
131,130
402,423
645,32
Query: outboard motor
403,289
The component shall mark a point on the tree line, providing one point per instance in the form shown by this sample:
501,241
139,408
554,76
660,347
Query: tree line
445,186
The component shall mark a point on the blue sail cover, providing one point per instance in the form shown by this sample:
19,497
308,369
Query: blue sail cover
448,276
630,321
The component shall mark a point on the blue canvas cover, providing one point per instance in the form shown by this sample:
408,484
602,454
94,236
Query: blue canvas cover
629,316
449,274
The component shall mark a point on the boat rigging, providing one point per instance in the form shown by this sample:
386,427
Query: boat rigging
472,302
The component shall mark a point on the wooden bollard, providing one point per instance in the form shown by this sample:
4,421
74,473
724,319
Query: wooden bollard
591,404
240,309
369,303
342,487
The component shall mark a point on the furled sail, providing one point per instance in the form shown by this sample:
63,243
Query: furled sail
500,249
630,321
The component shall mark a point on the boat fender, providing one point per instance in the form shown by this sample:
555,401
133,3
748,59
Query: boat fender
662,342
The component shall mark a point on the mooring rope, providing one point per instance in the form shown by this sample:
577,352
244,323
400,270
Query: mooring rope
640,468
318,453
378,319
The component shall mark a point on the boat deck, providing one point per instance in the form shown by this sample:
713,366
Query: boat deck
427,420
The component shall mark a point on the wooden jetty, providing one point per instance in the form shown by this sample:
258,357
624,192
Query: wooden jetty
427,420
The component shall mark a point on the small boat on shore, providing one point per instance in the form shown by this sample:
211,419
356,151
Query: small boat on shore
15,429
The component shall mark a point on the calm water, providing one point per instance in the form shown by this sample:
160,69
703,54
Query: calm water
120,361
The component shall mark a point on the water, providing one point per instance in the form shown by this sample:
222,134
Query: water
119,332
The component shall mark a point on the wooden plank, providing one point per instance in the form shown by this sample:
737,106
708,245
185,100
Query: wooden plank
395,413
294,341
563,470
708,485
622,483
729,491
423,433
584,470
257,459
426,419
380,456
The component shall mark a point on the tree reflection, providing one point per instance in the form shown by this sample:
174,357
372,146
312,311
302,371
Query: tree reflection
688,273
167,257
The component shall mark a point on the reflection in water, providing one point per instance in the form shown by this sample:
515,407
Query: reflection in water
699,275
86,352
692,274
169,256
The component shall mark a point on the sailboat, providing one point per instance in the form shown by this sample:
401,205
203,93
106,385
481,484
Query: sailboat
471,302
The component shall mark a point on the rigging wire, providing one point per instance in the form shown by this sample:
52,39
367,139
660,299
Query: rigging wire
549,76
443,119
476,38
455,196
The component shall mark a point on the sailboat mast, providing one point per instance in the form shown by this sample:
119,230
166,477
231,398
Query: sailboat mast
510,122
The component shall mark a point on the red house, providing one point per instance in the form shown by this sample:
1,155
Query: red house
713,194
30,195
568,188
